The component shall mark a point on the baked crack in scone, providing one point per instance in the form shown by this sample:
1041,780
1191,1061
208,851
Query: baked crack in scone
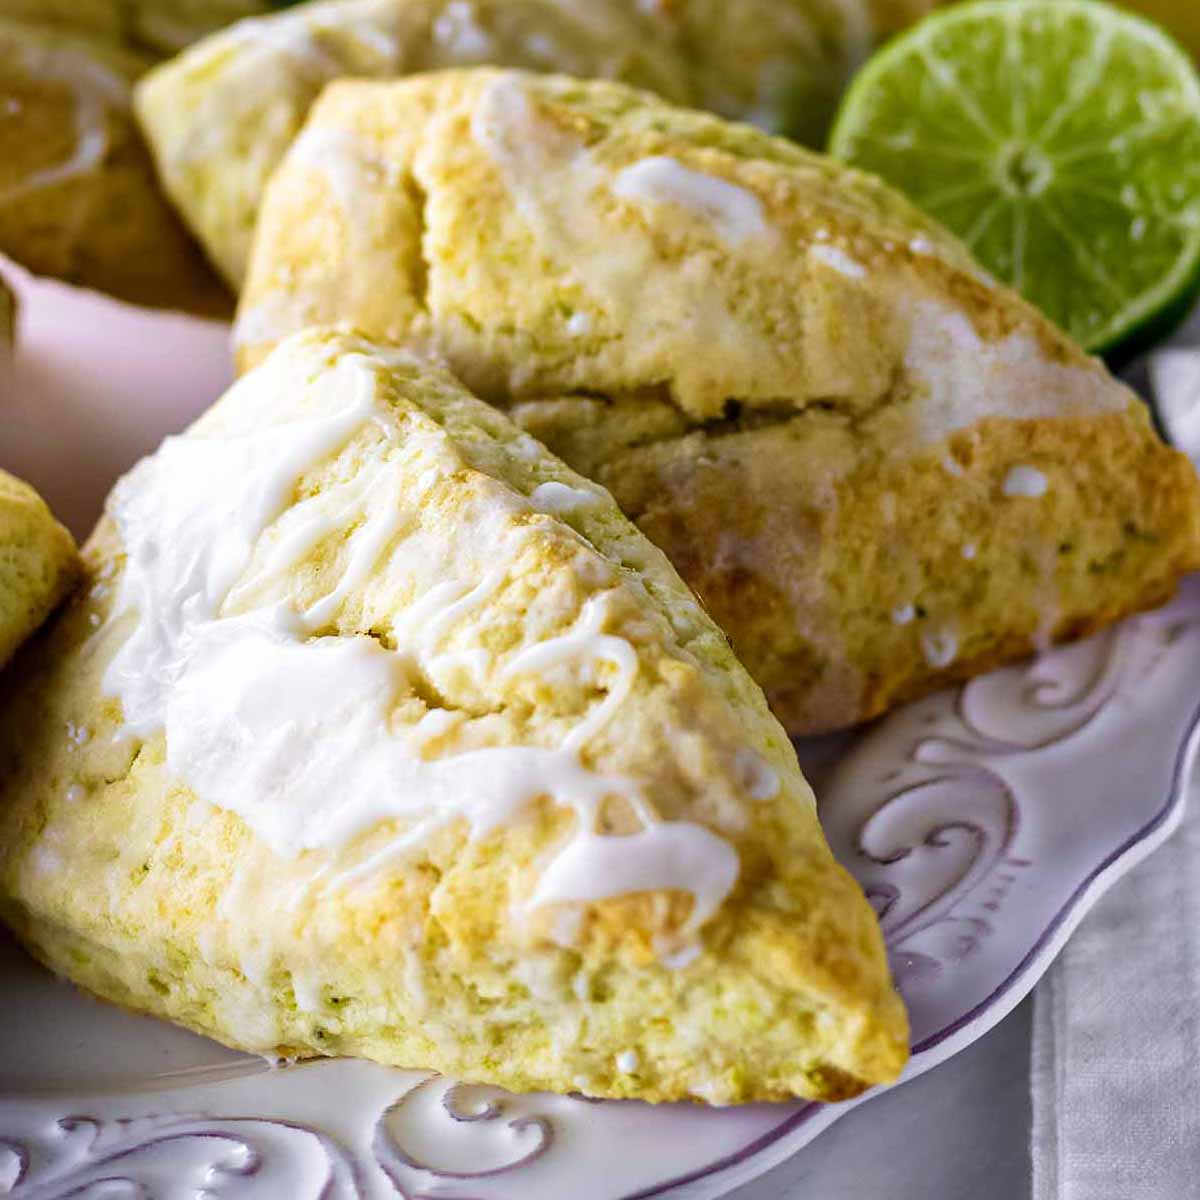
880,470
380,732
38,560
220,116
78,196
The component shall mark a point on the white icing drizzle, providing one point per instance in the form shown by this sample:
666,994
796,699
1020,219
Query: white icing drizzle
383,42
94,90
555,497
1025,481
593,866
344,160
682,958
758,777
585,644
296,732
940,647
566,925
905,614
458,32
968,378
838,260
563,194
735,213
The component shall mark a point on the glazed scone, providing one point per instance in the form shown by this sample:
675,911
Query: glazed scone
220,116
38,562
880,471
380,732
157,27
78,195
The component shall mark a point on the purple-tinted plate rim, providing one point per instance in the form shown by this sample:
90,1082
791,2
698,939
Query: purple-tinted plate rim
1020,981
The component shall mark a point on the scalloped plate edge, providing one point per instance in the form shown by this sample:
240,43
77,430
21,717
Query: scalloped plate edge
798,1130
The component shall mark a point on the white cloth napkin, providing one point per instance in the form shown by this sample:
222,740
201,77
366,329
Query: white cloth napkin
1115,1062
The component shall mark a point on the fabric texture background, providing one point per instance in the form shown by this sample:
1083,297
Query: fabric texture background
1115,1054
1115,1058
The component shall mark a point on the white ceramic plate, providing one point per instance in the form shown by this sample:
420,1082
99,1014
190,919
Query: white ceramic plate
982,822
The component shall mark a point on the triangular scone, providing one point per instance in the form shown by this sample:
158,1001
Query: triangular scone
879,470
380,732
78,195
220,116
38,560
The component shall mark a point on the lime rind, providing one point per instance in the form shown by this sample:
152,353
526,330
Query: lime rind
965,131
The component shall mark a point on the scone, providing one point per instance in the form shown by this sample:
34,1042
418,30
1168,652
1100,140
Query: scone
38,561
781,64
380,732
78,195
880,470
220,116
8,323
158,27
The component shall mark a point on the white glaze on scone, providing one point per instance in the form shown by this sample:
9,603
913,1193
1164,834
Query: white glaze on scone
294,731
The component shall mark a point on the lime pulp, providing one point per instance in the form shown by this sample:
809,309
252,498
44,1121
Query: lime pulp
1060,140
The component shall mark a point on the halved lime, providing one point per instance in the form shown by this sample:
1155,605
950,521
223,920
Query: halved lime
1060,139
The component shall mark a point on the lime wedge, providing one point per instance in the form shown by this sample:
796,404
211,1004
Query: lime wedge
1060,139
